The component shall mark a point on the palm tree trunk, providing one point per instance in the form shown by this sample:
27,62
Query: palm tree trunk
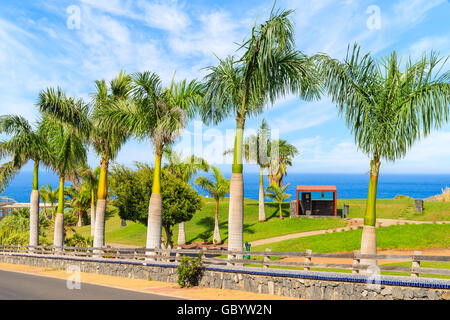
92,213
262,213
154,223
99,232
236,209
34,208
181,234
368,239
58,238
216,238
80,221
281,213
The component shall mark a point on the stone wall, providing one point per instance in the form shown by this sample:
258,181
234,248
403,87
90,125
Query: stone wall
277,282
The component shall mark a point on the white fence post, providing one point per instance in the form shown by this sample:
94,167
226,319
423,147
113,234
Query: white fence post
308,260
356,262
415,264
266,258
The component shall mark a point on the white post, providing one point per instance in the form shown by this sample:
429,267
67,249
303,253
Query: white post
415,264
308,260
266,258
356,262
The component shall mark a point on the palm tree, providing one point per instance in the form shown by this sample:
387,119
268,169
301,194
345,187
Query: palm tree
217,189
278,165
387,106
105,139
26,143
184,169
90,178
269,68
70,153
278,195
80,200
159,114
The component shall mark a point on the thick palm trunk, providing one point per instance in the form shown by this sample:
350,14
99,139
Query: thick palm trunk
236,209
216,238
58,238
80,220
99,230
92,213
181,234
281,212
262,213
34,208
368,239
154,224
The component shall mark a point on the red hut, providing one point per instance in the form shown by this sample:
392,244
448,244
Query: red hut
322,207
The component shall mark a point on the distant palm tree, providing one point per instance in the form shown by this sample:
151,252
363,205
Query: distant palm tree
387,106
269,68
216,188
69,153
184,169
278,165
90,178
79,201
26,143
159,114
278,195
48,195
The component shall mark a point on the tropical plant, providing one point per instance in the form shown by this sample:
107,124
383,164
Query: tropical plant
388,105
278,195
26,143
184,169
190,271
217,188
269,68
105,139
278,164
70,153
159,114
15,227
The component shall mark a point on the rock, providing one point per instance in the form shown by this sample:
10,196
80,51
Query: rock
386,291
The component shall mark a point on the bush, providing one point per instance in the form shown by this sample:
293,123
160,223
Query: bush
14,228
189,271
205,236
77,240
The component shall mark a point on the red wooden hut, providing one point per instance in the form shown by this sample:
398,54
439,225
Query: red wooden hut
308,206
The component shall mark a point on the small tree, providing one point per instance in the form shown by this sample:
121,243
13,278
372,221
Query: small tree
132,191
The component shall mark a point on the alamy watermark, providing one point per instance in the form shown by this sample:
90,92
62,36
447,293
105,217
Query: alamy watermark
374,20
73,282
73,21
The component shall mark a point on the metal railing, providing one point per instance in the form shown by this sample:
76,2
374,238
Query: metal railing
261,259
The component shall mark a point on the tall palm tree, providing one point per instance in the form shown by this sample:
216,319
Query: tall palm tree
278,165
256,149
105,139
184,169
79,202
69,153
269,68
159,114
387,106
26,143
278,195
90,178
216,188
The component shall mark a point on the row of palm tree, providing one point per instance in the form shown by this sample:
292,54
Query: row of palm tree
386,109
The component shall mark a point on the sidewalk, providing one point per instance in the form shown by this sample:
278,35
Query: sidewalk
140,285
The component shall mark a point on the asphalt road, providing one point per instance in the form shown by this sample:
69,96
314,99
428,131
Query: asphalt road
19,286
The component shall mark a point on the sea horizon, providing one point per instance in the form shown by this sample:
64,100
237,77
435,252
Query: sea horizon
349,185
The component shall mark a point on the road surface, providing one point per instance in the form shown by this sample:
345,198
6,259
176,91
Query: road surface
20,286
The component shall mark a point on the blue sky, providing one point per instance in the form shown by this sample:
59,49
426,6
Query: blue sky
45,44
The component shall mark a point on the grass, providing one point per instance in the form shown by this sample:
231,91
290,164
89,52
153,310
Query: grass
393,237
399,209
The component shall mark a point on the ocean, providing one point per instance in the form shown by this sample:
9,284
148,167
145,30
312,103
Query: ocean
349,186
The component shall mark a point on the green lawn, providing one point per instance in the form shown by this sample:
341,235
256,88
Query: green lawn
394,237
398,209
135,233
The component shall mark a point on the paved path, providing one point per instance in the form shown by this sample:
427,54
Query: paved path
20,286
353,223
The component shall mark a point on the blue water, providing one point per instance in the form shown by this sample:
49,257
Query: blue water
349,186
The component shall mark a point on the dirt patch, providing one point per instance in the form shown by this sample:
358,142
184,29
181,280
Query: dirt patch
425,252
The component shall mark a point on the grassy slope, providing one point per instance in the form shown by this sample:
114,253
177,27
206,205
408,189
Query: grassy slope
135,234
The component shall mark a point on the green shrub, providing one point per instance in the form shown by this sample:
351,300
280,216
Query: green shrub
190,271
205,235
77,240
